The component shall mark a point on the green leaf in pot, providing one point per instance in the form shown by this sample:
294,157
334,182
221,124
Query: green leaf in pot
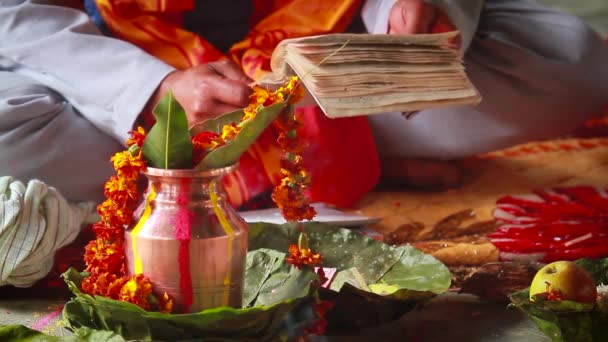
231,152
216,125
168,145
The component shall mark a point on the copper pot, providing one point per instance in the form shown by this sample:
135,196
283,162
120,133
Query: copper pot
189,240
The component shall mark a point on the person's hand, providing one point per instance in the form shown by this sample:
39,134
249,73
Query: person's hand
417,16
206,91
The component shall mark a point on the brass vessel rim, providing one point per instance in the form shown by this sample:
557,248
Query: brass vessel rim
189,173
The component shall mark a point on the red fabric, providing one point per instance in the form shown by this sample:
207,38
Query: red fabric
341,157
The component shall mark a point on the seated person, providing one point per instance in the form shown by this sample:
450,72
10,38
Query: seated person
69,94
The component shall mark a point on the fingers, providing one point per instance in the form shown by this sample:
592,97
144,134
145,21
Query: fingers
228,91
411,17
229,70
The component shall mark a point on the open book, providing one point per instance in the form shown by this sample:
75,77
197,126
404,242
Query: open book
359,74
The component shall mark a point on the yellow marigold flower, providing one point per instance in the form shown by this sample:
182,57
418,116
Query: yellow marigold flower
230,131
250,112
302,256
165,303
137,290
121,190
137,137
259,95
126,165
115,214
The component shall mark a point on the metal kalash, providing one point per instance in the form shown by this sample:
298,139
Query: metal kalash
188,239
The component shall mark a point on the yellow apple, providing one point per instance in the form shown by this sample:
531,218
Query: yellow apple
567,280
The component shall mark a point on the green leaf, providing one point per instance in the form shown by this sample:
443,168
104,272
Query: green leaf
418,272
20,333
598,268
286,282
217,124
260,264
572,322
267,322
340,248
231,152
168,144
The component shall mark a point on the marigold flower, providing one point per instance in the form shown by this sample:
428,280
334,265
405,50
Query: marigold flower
127,165
299,257
230,131
260,96
104,231
291,145
98,284
115,214
137,137
165,303
204,142
121,190
137,290
105,256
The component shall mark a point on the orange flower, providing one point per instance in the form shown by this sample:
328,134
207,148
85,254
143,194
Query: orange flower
107,232
165,303
104,256
230,131
137,290
99,283
299,257
127,165
553,294
260,96
204,142
137,137
114,214
121,190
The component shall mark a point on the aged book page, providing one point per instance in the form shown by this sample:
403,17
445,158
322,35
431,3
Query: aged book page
362,74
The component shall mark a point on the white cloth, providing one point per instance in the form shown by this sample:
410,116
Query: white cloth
541,74
35,222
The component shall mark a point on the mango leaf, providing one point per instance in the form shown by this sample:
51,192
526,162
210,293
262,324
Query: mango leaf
168,144
217,124
231,152
290,312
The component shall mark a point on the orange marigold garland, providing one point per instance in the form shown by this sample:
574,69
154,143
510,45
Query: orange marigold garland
289,194
105,256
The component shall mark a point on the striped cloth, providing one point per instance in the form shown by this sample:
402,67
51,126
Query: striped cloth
35,222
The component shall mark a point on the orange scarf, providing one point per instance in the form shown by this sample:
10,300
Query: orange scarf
155,26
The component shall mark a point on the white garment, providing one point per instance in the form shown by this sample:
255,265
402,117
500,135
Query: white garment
35,222
541,74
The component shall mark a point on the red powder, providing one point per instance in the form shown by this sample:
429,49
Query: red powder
183,235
